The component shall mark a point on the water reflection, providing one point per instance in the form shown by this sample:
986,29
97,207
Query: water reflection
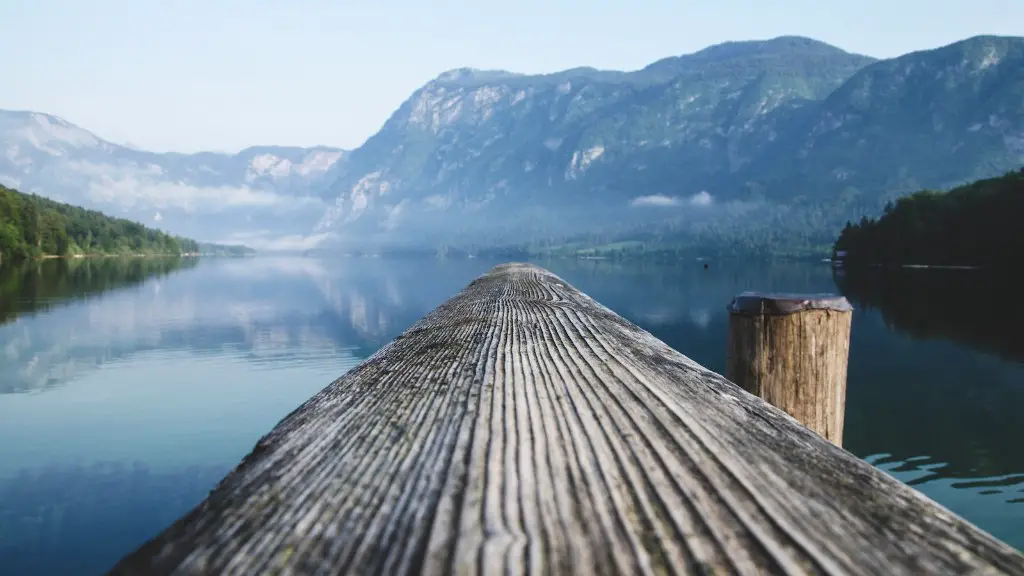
37,286
937,388
971,307
267,310
179,374
47,511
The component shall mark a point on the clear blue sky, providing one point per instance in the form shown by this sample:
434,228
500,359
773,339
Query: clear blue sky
192,75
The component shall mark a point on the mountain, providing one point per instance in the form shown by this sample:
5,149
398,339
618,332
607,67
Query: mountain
763,141
744,146
256,195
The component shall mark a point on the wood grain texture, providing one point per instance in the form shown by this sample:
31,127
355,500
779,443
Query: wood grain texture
521,427
792,351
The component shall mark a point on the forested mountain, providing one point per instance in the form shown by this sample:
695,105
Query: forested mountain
973,225
32,226
748,145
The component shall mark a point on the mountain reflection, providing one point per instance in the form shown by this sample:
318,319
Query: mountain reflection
259,308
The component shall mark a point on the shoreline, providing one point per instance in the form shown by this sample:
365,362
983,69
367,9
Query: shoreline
96,256
842,264
45,257
84,256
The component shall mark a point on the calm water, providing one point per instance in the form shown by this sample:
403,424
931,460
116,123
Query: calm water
127,390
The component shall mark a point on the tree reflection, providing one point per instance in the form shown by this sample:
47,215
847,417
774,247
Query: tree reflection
36,286
971,307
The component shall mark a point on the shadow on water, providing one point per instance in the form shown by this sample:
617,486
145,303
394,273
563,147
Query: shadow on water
36,286
979,309
951,389
936,388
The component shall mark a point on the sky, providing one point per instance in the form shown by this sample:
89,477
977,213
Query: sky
190,75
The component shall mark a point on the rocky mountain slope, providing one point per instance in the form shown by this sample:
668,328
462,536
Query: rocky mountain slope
788,133
256,195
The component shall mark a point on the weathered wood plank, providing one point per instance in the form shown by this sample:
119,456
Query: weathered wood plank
522,427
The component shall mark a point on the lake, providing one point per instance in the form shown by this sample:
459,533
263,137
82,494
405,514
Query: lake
129,388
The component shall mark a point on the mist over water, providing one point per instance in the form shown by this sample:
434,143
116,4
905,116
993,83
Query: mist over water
127,389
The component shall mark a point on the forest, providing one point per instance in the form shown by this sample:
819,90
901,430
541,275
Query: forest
973,225
32,227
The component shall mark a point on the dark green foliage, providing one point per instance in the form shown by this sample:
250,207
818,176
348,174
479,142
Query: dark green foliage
973,225
32,226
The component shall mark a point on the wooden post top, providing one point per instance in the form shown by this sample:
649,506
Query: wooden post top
779,303
797,362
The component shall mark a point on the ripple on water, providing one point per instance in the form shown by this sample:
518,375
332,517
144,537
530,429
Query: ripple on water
993,501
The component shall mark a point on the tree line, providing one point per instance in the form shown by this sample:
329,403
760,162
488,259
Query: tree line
973,225
32,226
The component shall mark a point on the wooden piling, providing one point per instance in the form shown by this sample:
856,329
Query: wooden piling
792,351
522,428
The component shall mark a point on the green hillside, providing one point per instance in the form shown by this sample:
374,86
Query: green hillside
973,225
32,227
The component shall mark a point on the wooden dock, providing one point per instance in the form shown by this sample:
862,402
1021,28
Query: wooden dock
521,427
